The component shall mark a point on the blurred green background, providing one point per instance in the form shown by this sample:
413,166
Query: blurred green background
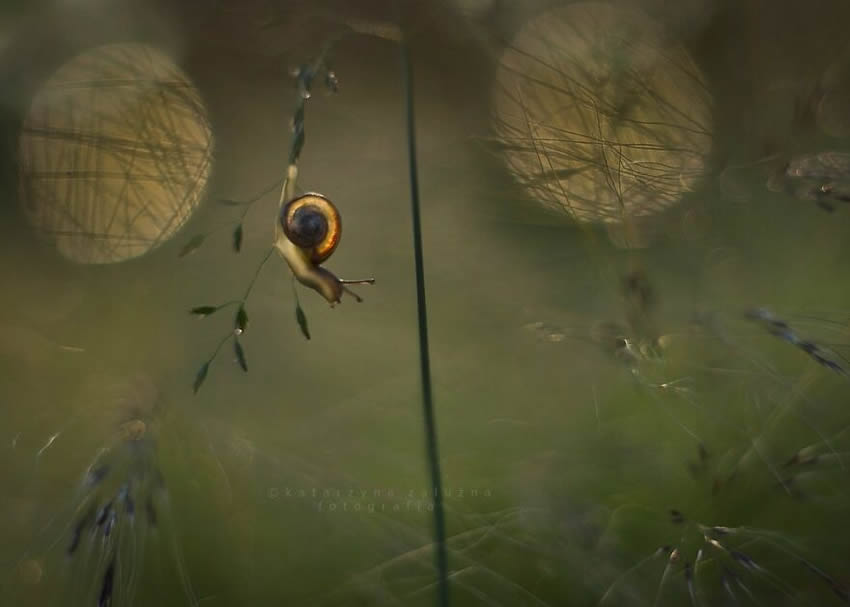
563,451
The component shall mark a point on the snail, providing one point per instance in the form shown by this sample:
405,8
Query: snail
306,234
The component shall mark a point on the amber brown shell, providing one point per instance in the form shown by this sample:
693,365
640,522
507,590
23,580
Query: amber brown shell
319,251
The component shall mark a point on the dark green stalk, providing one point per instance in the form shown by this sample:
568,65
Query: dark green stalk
249,203
241,322
256,274
440,554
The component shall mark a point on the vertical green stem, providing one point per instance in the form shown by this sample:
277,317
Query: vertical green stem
440,555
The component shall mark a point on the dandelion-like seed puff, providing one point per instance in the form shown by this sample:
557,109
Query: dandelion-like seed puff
114,154
598,116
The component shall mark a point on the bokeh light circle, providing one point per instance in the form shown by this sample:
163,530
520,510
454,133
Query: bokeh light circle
599,115
114,153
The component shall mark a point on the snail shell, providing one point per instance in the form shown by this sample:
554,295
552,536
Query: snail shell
312,223
307,233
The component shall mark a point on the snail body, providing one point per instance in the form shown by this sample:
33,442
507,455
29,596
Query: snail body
306,234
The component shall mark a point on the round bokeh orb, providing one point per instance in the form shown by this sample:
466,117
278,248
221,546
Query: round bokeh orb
114,153
599,115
